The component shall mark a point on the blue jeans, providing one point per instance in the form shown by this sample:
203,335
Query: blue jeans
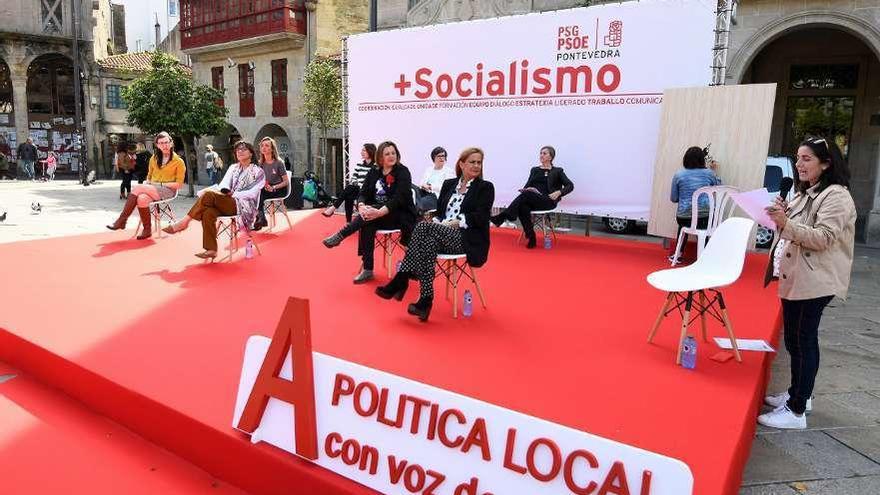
28,169
800,320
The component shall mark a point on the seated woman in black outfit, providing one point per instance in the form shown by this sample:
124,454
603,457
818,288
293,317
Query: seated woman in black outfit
385,202
460,226
547,184
356,181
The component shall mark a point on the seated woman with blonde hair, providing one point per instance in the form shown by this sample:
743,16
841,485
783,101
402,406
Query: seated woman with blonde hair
460,226
237,194
165,177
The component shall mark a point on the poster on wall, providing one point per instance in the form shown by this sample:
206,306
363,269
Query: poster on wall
588,82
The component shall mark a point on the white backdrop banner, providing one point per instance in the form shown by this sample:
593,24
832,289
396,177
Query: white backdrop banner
588,82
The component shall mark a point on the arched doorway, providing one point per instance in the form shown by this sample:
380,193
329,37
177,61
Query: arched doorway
275,132
51,109
828,79
223,143
7,116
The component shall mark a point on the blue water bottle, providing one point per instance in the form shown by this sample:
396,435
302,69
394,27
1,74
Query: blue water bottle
467,309
548,242
249,249
689,353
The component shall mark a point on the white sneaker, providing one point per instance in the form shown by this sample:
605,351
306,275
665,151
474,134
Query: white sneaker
776,401
783,418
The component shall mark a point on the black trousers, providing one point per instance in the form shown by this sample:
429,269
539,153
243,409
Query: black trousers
522,207
367,235
800,320
264,195
125,187
349,196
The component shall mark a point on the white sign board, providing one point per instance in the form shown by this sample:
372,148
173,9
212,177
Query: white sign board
588,82
397,435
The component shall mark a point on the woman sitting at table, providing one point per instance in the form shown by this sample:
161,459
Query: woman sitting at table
164,178
238,194
385,203
460,226
547,184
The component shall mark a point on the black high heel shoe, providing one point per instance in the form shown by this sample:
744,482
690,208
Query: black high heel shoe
420,308
396,288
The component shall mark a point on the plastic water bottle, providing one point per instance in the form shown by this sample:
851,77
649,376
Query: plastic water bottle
249,249
689,353
548,241
467,309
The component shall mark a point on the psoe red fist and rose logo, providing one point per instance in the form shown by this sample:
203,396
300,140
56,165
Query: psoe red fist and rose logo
596,72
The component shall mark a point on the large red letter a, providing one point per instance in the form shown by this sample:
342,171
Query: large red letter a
293,334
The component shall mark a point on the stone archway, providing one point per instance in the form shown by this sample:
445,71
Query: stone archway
7,107
223,143
51,108
281,138
745,54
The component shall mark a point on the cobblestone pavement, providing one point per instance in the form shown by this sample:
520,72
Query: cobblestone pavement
839,454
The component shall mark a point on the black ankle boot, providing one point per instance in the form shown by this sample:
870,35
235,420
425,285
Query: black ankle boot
533,241
498,219
396,288
421,308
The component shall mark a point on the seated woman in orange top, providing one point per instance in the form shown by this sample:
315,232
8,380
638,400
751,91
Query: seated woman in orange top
165,177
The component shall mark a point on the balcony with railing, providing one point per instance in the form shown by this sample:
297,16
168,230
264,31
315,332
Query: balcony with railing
215,22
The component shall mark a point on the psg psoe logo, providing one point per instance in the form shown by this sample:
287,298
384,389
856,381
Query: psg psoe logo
399,436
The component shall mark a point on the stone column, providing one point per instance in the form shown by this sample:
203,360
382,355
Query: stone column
872,219
19,100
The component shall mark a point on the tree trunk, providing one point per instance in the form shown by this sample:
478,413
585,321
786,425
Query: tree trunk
191,168
324,155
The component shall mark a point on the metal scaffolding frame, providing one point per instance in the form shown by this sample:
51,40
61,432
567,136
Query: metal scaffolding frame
345,145
724,15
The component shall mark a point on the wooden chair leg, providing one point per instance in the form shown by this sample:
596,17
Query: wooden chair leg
477,285
684,327
730,334
454,297
653,331
703,316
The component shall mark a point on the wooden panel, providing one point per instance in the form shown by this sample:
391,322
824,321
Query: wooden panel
735,119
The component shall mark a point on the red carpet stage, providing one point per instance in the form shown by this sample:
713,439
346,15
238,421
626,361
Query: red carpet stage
147,335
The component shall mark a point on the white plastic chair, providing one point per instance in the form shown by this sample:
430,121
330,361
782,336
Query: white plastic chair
720,265
158,210
721,205
544,220
453,267
389,241
276,205
228,225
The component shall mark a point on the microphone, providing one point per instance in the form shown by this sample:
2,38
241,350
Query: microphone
785,185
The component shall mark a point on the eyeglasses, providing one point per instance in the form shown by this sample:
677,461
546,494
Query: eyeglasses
441,156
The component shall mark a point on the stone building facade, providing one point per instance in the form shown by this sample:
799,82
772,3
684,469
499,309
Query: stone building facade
261,72
36,74
822,54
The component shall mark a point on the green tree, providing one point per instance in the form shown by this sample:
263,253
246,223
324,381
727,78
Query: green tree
166,98
322,101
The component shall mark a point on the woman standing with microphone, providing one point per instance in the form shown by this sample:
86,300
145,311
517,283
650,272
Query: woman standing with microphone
812,259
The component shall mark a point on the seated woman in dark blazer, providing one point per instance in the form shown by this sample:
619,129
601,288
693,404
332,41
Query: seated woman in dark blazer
547,184
460,226
385,202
